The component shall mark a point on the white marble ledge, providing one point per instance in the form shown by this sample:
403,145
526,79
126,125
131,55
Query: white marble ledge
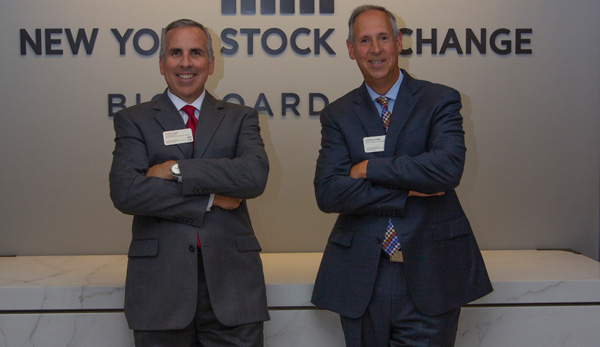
95,282
538,277
79,282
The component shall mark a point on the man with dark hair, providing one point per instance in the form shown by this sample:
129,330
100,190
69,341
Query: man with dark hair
183,166
401,259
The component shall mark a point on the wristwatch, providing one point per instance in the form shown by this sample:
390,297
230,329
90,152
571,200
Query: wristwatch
175,173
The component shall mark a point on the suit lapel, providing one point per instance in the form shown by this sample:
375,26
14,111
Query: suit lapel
211,115
367,114
169,119
403,107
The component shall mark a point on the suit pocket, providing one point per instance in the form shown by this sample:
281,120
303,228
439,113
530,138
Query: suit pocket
247,243
143,248
341,236
450,229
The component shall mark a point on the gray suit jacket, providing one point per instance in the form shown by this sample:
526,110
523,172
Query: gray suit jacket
425,152
227,158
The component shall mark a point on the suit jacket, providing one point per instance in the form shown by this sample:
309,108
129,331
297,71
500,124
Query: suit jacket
424,152
227,158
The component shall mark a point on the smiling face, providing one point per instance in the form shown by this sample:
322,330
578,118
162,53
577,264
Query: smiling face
186,64
376,50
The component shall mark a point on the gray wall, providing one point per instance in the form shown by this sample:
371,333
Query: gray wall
531,120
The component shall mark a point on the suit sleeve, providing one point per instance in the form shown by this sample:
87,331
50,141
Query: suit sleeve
132,192
336,192
440,167
240,174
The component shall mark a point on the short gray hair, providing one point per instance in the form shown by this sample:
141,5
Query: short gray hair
185,23
364,8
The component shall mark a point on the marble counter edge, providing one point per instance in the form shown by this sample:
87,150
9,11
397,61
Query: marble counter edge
101,286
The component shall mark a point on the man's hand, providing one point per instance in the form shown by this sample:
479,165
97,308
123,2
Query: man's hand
226,202
423,195
162,170
359,170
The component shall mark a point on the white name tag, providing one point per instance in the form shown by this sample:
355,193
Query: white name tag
374,144
175,137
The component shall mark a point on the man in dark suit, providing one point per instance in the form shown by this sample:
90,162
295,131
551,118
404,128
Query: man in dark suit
401,259
194,275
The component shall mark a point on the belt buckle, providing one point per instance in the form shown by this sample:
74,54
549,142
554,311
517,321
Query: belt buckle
395,258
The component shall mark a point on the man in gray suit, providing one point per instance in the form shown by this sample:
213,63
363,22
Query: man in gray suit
401,259
194,275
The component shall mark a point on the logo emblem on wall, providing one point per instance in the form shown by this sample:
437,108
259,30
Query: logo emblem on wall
276,47
248,7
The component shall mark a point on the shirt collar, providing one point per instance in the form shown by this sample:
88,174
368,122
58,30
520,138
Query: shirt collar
180,103
391,94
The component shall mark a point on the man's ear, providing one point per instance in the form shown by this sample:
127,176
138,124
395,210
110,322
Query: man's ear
350,50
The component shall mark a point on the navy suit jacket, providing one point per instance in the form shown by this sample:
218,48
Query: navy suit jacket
424,152
227,158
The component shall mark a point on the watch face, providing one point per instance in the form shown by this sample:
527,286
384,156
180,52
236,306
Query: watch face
175,169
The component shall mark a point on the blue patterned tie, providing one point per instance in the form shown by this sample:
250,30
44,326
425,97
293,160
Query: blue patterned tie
385,112
391,243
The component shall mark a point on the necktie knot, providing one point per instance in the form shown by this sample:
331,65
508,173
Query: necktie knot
382,100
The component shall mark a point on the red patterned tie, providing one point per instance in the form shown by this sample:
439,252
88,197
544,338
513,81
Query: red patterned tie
191,124
391,243
192,121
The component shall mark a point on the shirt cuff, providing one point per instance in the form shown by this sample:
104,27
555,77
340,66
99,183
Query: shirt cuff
210,202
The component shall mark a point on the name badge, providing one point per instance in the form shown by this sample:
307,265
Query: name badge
175,137
374,144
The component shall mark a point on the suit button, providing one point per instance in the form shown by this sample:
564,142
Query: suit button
192,249
378,240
